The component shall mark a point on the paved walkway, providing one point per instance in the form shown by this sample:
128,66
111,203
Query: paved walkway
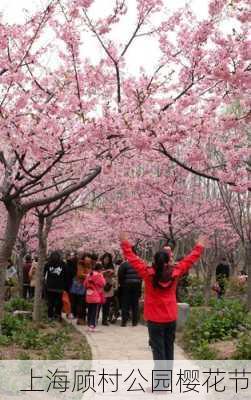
116,343
126,346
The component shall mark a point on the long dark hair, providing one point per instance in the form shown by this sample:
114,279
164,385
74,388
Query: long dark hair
55,258
110,263
163,272
98,267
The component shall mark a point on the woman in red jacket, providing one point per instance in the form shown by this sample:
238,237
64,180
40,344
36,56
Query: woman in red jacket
160,304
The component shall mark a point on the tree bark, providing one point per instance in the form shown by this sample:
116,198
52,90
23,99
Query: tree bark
43,231
208,284
21,252
14,218
15,213
20,265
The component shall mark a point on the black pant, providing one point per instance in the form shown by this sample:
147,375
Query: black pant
78,306
27,291
119,297
92,314
55,304
162,336
32,292
106,310
130,302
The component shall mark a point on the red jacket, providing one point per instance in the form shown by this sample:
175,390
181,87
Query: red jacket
94,284
160,305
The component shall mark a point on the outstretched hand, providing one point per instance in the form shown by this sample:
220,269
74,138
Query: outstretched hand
203,240
123,236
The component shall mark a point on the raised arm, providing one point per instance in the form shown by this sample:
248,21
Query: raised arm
184,265
136,262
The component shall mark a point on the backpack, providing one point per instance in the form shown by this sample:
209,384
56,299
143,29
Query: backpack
77,288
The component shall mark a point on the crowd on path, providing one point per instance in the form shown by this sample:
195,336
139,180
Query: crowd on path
91,286
88,286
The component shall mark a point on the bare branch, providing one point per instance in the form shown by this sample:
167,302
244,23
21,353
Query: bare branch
2,158
47,91
47,187
42,174
3,71
73,188
43,20
191,169
115,62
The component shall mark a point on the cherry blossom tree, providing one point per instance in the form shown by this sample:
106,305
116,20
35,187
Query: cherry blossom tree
42,154
64,121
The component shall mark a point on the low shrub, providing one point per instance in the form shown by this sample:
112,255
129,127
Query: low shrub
57,343
23,356
55,352
225,319
30,339
4,340
45,341
243,349
234,287
12,325
204,352
17,303
193,293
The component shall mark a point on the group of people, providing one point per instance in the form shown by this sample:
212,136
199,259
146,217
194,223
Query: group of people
27,278
89,286
90,283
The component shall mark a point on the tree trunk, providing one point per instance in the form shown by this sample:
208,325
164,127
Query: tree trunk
197,271
20,265
14,218
42,252
208,284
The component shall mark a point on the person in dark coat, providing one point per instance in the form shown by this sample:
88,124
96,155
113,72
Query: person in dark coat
71,269
118,291
109,275
222,274
55,281
130,284
71,272
77,291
